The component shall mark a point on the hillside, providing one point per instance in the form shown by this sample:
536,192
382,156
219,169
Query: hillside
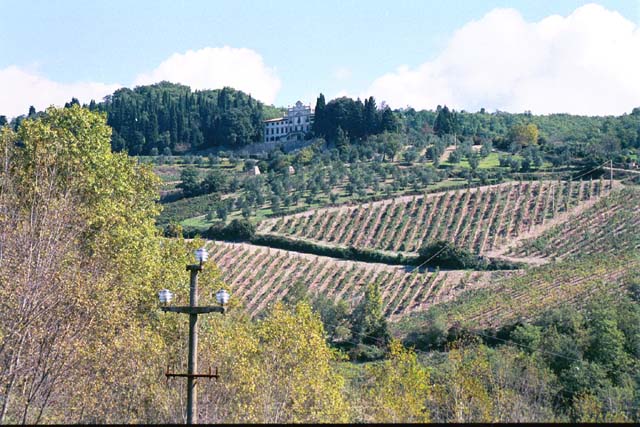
524,297
260,276
594,251
610,226
480,219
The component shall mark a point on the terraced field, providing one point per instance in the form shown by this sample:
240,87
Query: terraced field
259,276
524,296
610,226
547,220
480,219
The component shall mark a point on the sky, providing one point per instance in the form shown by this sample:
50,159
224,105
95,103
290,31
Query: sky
543,56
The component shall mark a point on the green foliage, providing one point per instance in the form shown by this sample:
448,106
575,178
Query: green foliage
311,401
101,263
188,208
277,370
577,362
396,390
173,230
432,335
344,118
215,181
167,116
351,253
445,121
477,384
369,323
238,229
297,293
190,177
447,255
335,316
523,135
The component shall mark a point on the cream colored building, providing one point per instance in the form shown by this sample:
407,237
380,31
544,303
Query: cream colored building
294,126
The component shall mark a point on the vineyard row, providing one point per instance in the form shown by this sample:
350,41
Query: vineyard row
260,276
479,219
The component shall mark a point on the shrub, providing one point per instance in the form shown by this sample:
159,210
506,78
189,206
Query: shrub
447,255
238,230
366,353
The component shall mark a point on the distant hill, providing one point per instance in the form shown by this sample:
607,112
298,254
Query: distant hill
167,118
171,119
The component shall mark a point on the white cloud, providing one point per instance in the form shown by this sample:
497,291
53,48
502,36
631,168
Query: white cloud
214,68
342,73
208,68
585,63
21,88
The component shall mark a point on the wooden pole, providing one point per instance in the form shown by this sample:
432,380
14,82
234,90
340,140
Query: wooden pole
192,368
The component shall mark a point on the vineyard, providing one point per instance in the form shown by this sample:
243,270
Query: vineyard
479,219
543,219
611,226
260,276
524,296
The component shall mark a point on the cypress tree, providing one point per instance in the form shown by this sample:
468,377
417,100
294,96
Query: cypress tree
318,124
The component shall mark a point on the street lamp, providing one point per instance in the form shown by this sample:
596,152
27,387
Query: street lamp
222,297
193,310
201,255
165,296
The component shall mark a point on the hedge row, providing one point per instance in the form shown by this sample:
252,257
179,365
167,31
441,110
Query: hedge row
348,253
439,254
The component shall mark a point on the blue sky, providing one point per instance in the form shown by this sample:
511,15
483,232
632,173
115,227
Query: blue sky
403,52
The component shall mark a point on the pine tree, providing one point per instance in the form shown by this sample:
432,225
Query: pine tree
369,323
445,122
388,122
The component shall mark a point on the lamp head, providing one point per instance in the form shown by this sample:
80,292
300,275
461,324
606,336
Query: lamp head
222,296
165,296
201,255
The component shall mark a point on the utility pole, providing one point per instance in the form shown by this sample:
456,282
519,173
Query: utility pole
610,174
192,367
193,310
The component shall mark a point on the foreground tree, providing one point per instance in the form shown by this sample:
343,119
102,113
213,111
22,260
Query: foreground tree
278,370
79,262
396,390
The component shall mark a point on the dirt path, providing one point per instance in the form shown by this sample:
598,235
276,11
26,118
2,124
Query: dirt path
447,151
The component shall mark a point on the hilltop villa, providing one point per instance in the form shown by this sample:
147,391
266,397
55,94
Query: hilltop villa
292,127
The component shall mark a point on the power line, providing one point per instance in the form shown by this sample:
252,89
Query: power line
588,172
479,220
